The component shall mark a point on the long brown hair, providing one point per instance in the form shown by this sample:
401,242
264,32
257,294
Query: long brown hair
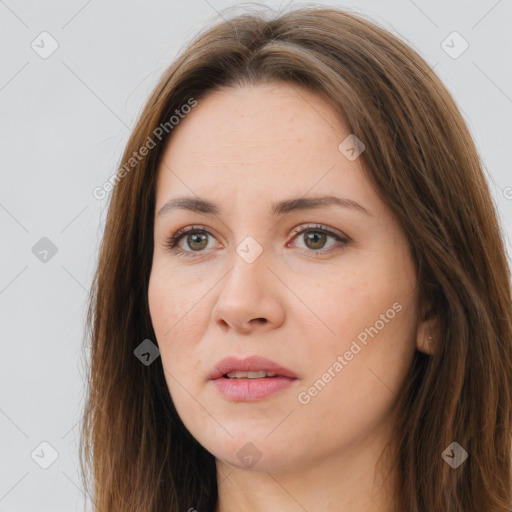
421,158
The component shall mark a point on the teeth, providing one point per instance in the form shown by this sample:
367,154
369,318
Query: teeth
250,375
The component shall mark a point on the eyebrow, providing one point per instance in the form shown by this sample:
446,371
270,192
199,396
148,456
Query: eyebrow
199,205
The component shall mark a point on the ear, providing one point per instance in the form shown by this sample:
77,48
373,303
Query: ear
427,335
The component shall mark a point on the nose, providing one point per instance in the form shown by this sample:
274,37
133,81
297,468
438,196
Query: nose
249,298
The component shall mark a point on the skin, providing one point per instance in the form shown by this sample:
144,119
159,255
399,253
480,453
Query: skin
245,148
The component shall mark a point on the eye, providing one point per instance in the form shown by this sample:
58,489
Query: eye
315,238
196,238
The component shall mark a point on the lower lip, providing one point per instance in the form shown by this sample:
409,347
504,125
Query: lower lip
250,390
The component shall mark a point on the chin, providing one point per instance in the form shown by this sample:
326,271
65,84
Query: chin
254,455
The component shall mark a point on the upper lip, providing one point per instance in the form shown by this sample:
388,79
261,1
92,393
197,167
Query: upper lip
249,364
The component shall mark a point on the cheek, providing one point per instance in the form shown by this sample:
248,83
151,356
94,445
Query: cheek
161,296
369,315
172,301
340,304
178,316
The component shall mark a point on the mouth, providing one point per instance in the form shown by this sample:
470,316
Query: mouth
250,379
261,374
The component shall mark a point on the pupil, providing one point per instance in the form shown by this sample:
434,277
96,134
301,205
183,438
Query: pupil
320,239
201,236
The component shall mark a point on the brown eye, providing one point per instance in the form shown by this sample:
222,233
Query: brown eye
197,241
315,239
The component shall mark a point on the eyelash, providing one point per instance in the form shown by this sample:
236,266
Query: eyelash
172,242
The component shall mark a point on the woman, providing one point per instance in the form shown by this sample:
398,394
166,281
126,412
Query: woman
302,299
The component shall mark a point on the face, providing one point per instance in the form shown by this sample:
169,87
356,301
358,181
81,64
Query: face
324,290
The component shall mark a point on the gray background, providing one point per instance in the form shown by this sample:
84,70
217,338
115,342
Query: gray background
64,122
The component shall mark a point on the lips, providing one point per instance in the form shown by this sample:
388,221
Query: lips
246,389
250,364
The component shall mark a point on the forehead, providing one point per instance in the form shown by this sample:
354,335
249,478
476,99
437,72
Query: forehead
256,122
274,139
